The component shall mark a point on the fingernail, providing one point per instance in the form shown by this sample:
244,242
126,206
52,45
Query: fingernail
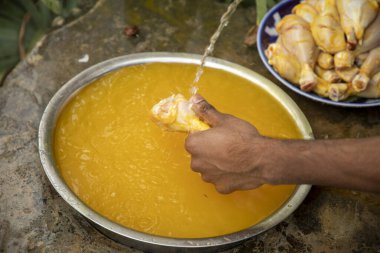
196,99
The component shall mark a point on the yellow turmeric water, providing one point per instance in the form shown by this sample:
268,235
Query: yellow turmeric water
118,162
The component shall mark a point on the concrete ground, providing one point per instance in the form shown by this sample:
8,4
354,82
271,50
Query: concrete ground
34,218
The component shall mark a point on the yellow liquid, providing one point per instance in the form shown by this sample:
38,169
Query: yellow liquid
118,162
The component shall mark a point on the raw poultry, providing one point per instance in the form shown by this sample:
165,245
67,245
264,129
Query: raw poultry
330,47
175,114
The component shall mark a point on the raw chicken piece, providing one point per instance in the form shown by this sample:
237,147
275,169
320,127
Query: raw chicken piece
328,75
312,2
305,11
355,16
325,60
296,37
326,30
371,38
344,59
348,74
360,59
373,88
175,114
322,88
327,7
369,68
340,91
284,63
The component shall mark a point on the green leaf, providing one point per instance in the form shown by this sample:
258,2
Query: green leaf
46,14
8,48
9,23
261,9
54,5
12,10
68,6
8,62
272,3
33,11
8,34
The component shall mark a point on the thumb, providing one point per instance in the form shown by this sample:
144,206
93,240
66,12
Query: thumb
205,111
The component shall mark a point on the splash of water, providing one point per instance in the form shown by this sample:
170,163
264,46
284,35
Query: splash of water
210,48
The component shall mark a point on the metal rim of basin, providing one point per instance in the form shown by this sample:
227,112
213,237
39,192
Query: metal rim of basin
72,87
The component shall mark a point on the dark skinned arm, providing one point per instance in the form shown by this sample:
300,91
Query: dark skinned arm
234,156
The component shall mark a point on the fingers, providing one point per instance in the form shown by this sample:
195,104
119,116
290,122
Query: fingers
228,183
205,111
198,165
224,183
191,143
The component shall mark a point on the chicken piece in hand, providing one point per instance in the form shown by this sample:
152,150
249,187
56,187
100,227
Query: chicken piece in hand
355,16
369,68
175,114
296,37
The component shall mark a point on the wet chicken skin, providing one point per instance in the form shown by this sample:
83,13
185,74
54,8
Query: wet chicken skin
175,114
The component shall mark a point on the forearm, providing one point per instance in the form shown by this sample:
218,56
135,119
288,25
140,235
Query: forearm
351,163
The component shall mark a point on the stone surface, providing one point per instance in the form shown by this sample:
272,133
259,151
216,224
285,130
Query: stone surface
34,218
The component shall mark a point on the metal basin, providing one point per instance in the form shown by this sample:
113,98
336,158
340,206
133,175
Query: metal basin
138,239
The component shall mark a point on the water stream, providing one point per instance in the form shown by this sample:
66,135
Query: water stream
210,48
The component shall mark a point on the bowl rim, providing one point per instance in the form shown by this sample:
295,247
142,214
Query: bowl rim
312,96
84,78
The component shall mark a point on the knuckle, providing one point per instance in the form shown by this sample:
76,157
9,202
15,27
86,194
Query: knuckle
205,107
223,189
190,144
196,165
206,178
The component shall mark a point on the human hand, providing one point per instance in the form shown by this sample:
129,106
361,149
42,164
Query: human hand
229,153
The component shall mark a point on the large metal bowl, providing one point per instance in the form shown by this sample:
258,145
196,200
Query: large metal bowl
129,236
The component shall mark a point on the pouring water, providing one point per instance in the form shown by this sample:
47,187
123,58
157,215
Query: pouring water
210,48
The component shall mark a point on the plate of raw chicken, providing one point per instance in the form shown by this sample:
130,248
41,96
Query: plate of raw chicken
326,50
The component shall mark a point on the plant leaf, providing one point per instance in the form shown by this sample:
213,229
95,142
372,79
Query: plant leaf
54,5
8,34
46,14
261,9
68,5
8,62
11,10
9,23
271,3
8,48
33,11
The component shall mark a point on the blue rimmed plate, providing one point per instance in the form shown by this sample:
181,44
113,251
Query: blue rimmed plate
267,34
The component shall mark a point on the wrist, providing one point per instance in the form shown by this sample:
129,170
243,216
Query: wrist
267,155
